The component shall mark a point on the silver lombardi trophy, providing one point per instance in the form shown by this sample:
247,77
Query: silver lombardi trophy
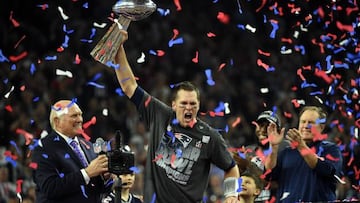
128,10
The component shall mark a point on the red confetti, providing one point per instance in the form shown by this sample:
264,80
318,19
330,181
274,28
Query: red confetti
77,59
262,64
196,58
33,165
28,136
8,108
210,34
8,153
221,66
172,161
91,122
329,157
19,57
160,52
176,33
263,2
160,156
223,17
147,101
22,88
295,103
177,4
287,114
60,49
299,73
18,185
236,122
85,136
14,22
342,27
263,53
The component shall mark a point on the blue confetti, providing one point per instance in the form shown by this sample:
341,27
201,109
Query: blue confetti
152,52
209,80
66,41
96,77
242,155
153,199
119,91
239,5
13,143
36,99
239,184
86,5
163,12
86,40
113,65
83,191
95,85
67,31
13,67
61,175
135,169
51,58
45,156
275,28
32,68
11,161
241,26
220,107
66,156
93,33
2,57
178,153
176,41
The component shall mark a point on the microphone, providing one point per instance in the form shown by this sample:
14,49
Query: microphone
100,146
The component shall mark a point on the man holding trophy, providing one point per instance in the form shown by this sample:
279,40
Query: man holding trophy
181,147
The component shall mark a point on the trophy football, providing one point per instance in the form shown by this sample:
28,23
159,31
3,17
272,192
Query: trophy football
127,10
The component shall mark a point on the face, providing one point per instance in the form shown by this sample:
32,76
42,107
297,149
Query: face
261,131
186,107
69,121
248,187
307,121
127,180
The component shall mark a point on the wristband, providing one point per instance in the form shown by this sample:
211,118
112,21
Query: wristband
231,186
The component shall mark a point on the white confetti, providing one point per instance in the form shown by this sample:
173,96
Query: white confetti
65,17
64,73
8,94
105,112
102,25
227,109
118,24
264,90
250,28
141,59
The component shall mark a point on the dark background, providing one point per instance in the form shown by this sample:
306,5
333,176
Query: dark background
239,82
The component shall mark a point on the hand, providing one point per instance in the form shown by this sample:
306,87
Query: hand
294,136
97,166
274,137
231,199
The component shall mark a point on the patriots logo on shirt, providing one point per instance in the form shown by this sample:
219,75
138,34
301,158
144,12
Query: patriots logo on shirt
183,139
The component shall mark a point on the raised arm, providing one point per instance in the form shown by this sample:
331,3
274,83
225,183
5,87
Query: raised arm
124,73
275,139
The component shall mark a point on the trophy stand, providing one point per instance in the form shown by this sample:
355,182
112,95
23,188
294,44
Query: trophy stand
117,189
128,10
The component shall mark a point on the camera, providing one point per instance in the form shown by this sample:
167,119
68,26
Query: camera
120,160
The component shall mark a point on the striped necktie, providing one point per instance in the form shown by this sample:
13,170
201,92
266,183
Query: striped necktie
76,148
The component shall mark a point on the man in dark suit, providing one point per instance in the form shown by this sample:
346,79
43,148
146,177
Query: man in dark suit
61,174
